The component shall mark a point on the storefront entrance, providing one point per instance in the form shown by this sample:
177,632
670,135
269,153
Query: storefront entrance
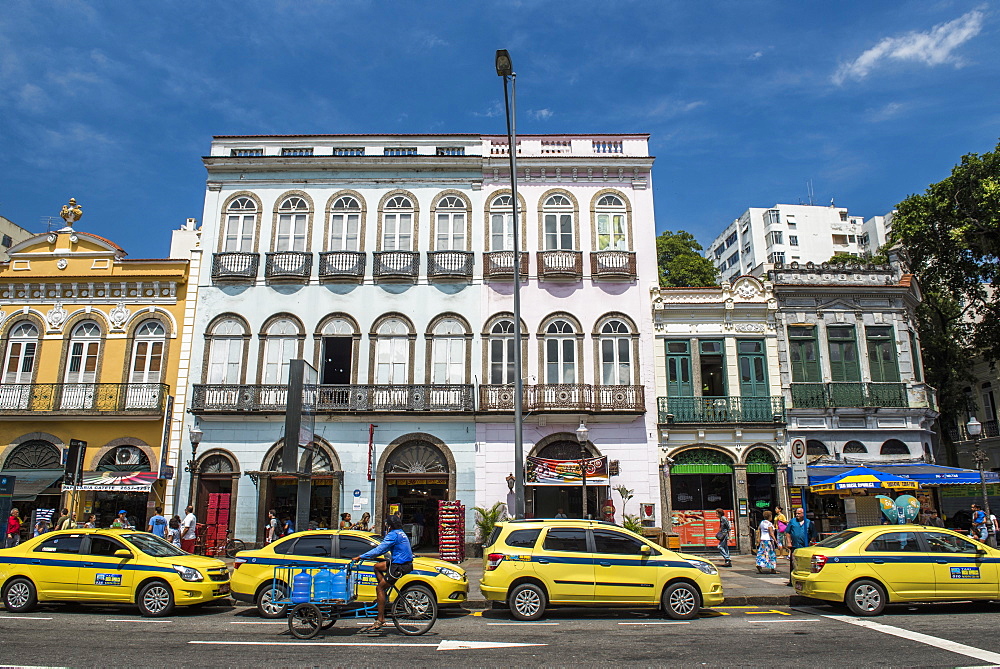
548,501
701,481
554,484
415,477
762,486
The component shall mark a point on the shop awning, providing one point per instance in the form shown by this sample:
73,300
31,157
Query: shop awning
116,481
922,473
864,478
29,483
541,471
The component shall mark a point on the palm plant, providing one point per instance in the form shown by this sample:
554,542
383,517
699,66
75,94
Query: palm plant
626,495
487,519
632,524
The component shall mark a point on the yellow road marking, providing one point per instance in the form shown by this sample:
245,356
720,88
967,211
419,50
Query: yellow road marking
477,613
735,607
780,613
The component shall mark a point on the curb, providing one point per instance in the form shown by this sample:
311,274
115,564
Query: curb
475,605
767,600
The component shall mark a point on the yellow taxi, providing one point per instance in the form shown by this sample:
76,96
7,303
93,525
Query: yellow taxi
530,564
253,576
869,567
108,566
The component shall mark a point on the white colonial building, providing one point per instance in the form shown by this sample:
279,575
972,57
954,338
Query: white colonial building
386,262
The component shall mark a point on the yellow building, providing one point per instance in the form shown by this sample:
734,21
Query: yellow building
91,347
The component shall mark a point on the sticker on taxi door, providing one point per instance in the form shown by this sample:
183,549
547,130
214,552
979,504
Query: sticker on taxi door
965,572
108,579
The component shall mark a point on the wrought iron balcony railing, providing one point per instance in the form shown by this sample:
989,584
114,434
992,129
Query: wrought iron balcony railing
564,265
729,409
225,398
74,398
396,265
848,394
235,267
342,266
612,265
565,397
288,266
499,266
990,430
450,264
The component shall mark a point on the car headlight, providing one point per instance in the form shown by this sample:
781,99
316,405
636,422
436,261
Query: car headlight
450,573
706,567
187,573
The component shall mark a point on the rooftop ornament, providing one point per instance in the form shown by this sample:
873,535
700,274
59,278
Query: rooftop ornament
71,213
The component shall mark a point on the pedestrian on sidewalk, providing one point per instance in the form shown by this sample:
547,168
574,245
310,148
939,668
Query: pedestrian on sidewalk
174,531
158,524
365,524
63,520
189,527
345,521
935,519
725,527
288,527
780,525
13,528
271,529
91,523
800,532
766,540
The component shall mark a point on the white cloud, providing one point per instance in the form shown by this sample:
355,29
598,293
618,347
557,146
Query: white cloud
885,112
494,110
756,55
32,98
540,114
933,47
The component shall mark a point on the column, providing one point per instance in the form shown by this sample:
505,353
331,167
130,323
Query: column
743,522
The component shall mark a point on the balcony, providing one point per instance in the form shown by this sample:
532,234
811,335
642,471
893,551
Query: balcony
341,266
396,265
33,399
560,265
849,394
236,399
294,266
729,409
235,267
450,264
499,266
991,430
565,397
612,265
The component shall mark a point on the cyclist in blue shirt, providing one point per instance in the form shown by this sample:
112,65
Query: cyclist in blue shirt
388,572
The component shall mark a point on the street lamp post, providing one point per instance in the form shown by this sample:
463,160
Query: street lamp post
505,69
581,435
975,428
195,434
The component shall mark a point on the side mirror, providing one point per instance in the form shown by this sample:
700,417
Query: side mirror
645,549
123,553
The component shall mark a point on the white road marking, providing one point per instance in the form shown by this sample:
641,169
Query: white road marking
512,624
442,645
137,620
23,618
787,620
937,642
475,645
257,622
658,622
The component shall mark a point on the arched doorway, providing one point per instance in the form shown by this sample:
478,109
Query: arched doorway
762,483
37,467
701,481
417,474
278,490
548,500
121,494
216,483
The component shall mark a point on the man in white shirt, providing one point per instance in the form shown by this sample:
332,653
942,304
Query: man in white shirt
189,528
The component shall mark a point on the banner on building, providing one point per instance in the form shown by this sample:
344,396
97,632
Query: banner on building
540,471
116,481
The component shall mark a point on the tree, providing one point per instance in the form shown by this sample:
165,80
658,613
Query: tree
848,259
680,263
950,238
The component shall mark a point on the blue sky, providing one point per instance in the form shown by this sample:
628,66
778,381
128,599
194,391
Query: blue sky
115,102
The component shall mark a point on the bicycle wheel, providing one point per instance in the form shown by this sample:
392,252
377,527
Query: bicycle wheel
304,621
414,611
234,546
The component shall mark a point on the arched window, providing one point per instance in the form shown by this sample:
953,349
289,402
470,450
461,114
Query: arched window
560,352
84,352
124,459
616,354
501,347
448,352
814,447
321,461
855,447
216,464
612,227
450,224
241,223
225,357
21,349
345,224
293,224
557,214
416,457
894,447
392,352
501,224
147,353
397,224
280,347
34,454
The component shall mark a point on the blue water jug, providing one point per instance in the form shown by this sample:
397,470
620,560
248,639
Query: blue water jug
338,585
323,585
300,587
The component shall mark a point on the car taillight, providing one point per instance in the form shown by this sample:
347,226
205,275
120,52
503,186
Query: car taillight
238,563
818,562
493,561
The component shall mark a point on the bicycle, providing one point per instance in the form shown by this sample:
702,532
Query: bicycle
413,612
229,549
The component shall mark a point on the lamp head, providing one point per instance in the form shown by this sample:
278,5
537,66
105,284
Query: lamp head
582,433
974,427
504,67
195,434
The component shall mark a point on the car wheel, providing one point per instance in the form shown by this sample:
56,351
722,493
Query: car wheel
266,601
19,595
865,598
681,601
527,602
155,600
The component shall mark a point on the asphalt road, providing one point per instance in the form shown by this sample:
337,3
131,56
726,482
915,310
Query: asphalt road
928,635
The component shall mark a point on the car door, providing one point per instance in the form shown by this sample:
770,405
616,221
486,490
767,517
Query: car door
621,570
313,550
960,569
900,561
565,565
54,565
349,547
103,576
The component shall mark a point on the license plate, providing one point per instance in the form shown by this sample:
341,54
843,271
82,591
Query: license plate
798,585
223,589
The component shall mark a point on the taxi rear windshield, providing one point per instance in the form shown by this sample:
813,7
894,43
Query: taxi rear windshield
151,544
837,539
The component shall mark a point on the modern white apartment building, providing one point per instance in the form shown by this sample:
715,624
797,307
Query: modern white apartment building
875,234
785,233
